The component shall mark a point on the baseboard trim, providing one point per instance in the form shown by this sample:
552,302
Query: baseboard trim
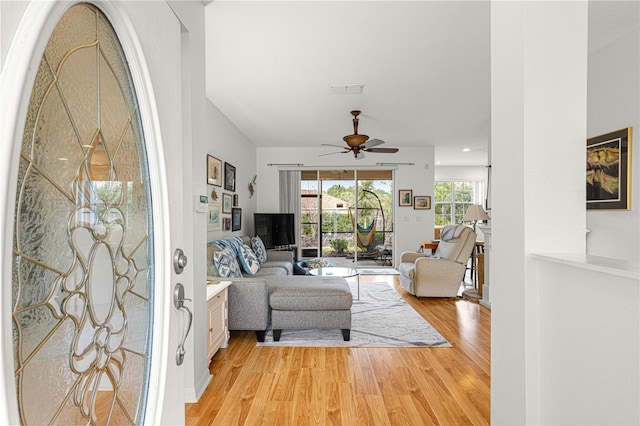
193,394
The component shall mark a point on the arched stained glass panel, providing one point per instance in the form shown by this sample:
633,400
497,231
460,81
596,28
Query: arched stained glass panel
82,278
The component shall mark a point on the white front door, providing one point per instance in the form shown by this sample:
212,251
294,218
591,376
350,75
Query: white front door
86,238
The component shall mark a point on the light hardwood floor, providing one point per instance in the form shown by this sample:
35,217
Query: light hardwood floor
254,385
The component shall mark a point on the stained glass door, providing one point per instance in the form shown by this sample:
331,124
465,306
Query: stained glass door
83,245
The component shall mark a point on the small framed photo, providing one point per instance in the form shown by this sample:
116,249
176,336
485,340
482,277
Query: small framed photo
609,170
236,219
214,171
422,202
405,197
235,200
214,217
226,224
226,202
229,177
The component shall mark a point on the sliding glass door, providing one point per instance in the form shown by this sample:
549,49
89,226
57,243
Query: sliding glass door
347,216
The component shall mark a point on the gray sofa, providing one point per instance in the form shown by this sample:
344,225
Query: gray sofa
288,301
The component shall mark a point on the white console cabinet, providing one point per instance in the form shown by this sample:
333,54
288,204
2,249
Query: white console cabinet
217,319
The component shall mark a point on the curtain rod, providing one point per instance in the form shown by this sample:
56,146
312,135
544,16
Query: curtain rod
333,167
395,164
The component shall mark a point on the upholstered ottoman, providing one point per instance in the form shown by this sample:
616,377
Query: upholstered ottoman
301,302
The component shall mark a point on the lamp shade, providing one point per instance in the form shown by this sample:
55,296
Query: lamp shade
475,212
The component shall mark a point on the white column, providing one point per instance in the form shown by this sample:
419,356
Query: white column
538,110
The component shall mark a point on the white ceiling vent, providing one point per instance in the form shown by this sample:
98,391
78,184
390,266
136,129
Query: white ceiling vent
346,89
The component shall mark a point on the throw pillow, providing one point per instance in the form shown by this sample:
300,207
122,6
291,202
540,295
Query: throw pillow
248,260
258,248
317,263
226,264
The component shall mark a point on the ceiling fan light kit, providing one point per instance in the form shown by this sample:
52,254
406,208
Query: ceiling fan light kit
355,140
358,144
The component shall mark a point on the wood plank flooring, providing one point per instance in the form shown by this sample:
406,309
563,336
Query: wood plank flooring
254,385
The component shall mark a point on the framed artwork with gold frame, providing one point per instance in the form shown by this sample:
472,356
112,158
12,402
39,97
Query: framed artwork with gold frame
422,202
609,170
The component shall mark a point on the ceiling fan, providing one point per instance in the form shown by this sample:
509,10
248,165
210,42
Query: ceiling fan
359,144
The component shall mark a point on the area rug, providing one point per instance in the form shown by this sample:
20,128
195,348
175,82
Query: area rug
381,318
377,271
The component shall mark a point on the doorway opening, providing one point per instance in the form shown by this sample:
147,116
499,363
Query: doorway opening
347,217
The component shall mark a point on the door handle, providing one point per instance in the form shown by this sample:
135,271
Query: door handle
178,302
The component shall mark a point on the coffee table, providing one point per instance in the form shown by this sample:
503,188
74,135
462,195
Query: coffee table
333,271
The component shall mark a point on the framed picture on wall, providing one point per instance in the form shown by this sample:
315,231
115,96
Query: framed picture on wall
229,177
405,197
609,170
235,200
422,202
214,217
226,202
226,224
214,171
236,219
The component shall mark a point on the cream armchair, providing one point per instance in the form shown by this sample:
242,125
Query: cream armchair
439,275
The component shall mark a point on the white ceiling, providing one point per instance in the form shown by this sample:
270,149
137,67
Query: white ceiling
425,66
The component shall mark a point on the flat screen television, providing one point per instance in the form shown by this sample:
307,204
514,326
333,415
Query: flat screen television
275,229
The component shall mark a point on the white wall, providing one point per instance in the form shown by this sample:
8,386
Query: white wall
614,103
538,101
410,226
225,142
477,173
589,346
190,15
207,131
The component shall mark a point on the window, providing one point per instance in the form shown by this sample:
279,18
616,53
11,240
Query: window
452,200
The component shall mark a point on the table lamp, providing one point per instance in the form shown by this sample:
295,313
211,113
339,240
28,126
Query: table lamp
474,214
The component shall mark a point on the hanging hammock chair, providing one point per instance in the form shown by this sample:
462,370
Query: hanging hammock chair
365,235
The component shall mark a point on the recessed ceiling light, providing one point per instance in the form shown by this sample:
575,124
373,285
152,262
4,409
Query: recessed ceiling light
466,149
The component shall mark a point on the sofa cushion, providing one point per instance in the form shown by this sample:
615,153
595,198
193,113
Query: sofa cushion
226,264
266,272
258,248
248,260
286,267
295,293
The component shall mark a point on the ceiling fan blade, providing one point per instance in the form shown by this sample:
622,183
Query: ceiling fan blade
382,150
371,143
330,144
331,153
359,155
